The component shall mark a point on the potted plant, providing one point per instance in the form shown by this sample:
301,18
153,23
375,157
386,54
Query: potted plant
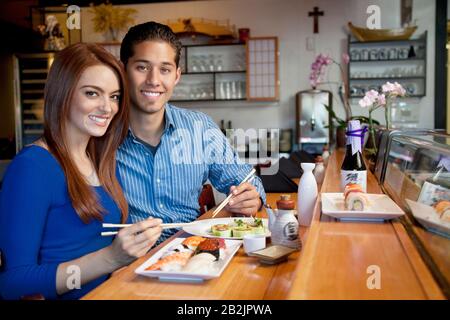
374,100
315,78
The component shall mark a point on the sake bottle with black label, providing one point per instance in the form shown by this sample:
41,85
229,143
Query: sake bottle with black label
353,169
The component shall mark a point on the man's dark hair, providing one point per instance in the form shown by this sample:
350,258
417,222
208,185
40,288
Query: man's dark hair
147,32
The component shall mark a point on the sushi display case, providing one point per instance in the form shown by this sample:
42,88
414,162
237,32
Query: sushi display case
416,174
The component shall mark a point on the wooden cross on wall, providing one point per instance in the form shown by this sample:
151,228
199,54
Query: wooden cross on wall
316,13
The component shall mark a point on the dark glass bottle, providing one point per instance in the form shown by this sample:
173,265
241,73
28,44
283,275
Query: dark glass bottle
353,169
222,127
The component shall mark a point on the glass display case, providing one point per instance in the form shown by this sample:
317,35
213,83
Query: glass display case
30,74
417,177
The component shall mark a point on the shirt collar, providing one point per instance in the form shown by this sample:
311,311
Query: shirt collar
168,114
168,119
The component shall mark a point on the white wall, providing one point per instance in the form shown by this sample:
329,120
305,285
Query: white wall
288,19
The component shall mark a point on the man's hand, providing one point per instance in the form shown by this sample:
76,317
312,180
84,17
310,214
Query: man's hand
245,199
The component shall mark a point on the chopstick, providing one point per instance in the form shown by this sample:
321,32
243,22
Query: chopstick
163,225
249,177
227,199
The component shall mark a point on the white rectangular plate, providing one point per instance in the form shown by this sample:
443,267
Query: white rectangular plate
232,247
428,218
380,208
202,228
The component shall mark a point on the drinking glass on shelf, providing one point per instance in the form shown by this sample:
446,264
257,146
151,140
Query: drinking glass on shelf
192,93
239,64
195,65
403,53
203,66
211,62
392,53
239,92
364,54
221,90
227,90
211,91
373,54
219,63
382,54
233,90
354,54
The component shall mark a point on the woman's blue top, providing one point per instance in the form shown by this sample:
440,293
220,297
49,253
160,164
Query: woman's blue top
39,228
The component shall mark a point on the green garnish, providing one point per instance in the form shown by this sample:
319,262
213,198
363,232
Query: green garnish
258,222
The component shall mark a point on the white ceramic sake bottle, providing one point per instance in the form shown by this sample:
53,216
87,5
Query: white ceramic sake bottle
307,194
319,170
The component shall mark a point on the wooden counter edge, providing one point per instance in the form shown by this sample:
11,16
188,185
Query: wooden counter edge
305,264
429,285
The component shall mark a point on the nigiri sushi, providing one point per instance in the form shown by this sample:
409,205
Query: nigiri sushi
193,242
354,197
173,262
442,208
211,246
177,248
200,263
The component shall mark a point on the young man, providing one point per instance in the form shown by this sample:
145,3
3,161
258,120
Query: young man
169,152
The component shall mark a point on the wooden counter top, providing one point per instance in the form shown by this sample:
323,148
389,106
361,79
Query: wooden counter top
332,264
244,278
338,258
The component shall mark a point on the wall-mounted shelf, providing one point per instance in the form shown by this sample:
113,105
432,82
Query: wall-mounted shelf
387,78
374,63
228,72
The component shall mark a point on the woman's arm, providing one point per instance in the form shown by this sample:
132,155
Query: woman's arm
25,200
130,243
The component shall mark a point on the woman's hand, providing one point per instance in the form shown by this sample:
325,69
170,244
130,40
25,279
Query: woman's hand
130,243
135,241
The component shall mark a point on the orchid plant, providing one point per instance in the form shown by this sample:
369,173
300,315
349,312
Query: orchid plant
318,71
374,100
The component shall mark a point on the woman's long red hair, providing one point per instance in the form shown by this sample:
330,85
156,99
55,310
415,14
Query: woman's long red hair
62,81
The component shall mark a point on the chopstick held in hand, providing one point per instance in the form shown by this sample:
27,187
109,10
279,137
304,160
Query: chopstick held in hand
225,202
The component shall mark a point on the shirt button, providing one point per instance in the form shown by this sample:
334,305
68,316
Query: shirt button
158,181
161,205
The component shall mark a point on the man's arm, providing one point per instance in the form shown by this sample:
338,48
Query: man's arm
226,171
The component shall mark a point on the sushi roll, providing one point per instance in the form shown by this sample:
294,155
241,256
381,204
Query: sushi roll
257,226
211,246
241,231
352,187
354,197
193,242
442,208
173,262
221,230
200,263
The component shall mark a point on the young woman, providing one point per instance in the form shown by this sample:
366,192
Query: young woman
58,191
